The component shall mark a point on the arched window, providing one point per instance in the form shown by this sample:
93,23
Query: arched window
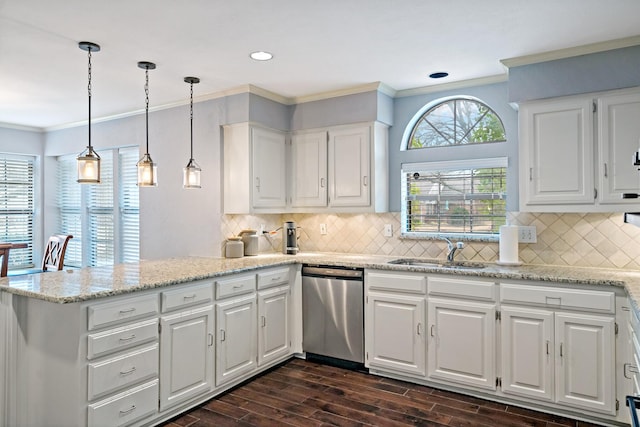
456,121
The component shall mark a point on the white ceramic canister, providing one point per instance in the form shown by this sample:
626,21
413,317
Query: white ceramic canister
251,242
234,248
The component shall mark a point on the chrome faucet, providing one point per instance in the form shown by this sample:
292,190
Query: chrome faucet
452,249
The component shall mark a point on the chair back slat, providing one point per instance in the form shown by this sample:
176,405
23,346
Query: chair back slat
54,252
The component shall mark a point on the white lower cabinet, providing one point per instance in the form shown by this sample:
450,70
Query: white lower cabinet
125,408
186,358
585,362
395,316
559,356
236,351
461,346
527,352
274,339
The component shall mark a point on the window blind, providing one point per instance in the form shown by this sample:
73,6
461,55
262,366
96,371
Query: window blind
100,206
454,199
110,235
17,207
129,205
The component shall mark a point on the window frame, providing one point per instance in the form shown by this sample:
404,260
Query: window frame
115,206
415,120
450,165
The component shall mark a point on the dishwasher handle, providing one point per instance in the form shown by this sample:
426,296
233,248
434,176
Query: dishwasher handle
333,272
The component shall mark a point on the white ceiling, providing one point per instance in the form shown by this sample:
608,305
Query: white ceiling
319,46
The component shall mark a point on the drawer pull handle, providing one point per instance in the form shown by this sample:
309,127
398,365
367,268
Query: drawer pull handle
129,372
128,310
129,338
186,297
238,286
128,411
275,279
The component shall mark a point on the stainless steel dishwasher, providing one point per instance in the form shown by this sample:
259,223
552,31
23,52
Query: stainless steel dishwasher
333,312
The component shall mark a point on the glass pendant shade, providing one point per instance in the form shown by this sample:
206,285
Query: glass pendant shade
147,172
191,175
88,167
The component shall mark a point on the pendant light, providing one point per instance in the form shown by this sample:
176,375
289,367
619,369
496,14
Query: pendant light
89,160
191,175
147,170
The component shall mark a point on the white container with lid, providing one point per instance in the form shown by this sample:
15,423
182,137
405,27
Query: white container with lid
234,248
251,242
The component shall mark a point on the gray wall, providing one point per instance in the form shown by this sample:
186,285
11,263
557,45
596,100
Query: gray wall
495,96
612,69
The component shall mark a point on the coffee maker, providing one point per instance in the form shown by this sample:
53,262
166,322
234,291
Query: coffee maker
289,238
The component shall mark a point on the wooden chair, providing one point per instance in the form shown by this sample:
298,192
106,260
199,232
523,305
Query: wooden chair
4,253
54,252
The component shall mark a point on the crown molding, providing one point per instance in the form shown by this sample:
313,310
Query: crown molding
500,78
368,87
21,127
571,52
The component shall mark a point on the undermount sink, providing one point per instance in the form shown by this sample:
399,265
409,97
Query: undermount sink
435,264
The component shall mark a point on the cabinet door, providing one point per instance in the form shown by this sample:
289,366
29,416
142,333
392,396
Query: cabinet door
556,146
309,170
269,168
395,333
461,345
274,341
585,362
236,342
619,139
349,167
527,352
186,355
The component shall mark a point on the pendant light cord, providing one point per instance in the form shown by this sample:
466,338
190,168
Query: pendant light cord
89,90
191,118
146,92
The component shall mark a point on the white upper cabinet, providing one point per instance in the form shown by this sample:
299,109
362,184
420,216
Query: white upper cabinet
340,169
309,169
255,169
350,166
618,139
576,153
556,152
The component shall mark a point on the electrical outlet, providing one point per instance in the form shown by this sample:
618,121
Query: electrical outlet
388,230
261,231
323,228
527,234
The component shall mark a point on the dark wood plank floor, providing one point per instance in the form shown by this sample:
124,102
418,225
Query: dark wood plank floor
303,393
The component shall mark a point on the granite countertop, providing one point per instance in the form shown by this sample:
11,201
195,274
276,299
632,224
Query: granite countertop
69,286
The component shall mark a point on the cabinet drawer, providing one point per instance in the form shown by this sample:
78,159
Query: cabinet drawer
271,278
460,288
235,286
192,295
121,338
575,299
411,283
121,311
121,371
125,408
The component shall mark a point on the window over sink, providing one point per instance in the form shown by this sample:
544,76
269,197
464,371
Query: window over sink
462,193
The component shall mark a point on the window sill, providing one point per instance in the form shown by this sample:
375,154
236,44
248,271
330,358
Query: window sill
489,238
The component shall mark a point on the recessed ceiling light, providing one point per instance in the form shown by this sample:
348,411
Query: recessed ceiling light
261,55
438,75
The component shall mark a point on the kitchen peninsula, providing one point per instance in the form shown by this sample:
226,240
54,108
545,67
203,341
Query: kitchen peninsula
109,343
